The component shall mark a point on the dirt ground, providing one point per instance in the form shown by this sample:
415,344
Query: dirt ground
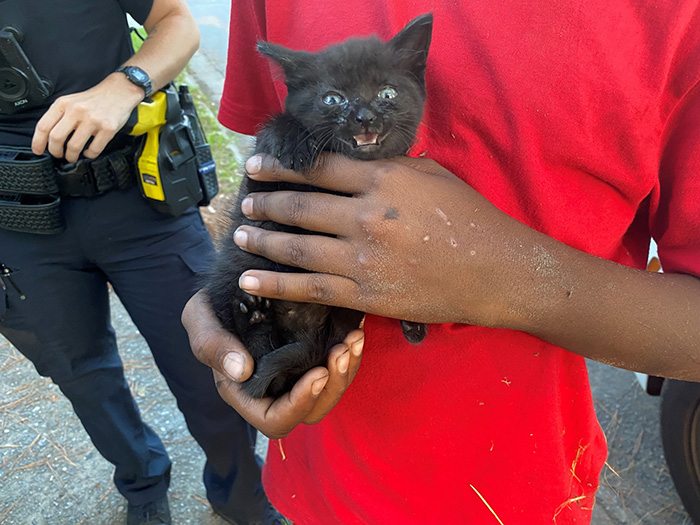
49,471
635,485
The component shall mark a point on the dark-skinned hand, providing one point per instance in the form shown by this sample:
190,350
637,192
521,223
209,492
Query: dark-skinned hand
314,395
412,241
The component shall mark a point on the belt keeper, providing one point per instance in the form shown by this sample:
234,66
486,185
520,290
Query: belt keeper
76,180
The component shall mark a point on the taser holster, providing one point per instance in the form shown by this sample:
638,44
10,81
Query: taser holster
175,168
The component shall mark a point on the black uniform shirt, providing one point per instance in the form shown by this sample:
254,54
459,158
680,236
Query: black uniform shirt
74,44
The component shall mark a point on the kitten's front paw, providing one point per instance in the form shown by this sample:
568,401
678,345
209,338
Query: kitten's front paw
297,156
256,308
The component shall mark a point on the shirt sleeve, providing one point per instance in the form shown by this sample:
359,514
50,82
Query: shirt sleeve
676,222
138,9
249,97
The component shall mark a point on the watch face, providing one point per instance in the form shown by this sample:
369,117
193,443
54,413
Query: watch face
139,75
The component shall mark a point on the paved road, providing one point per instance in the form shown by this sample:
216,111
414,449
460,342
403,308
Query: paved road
51,474
209,64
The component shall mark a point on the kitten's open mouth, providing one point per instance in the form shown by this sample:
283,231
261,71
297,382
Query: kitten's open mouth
366,139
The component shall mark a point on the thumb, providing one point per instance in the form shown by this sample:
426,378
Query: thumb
213,345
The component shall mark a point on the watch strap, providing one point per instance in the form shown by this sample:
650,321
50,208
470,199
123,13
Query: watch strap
132,73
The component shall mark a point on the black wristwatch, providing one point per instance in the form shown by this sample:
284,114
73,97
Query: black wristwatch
138,77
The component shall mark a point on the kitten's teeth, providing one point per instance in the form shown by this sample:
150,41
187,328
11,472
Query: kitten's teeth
366,139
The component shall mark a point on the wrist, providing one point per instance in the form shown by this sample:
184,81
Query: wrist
131,93
138,77
531,281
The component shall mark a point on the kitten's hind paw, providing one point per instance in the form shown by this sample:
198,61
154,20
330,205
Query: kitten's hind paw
256,308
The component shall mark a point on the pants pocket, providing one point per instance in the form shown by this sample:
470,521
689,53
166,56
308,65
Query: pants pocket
9,289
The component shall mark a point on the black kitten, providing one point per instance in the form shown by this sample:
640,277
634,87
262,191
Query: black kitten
362,98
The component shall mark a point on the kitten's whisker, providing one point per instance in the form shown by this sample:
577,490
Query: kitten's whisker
323,140
328,141
405,135
311,132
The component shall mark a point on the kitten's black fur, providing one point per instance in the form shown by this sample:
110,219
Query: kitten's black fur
362,89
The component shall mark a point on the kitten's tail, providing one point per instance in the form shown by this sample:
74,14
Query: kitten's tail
277,372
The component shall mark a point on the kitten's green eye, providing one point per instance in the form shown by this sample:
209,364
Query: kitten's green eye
333,99
388,92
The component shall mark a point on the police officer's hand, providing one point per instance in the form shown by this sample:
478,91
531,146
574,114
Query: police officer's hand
97,114
314,395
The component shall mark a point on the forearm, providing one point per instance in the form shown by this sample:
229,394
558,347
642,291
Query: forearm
171,42
173,37
605,311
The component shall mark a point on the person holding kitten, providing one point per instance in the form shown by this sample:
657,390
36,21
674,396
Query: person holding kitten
555,144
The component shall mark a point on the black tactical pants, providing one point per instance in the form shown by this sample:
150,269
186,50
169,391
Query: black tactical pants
63,326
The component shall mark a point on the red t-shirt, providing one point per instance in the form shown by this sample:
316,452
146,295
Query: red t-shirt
581,121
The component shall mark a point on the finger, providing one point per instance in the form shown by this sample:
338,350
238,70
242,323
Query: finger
332,172
76,144
59,135
99,143
321,288
343,364
213,345
338,367
252,410
318,212
275,418
44,126
311,252
356,341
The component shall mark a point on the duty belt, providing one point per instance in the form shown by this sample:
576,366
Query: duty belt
31,186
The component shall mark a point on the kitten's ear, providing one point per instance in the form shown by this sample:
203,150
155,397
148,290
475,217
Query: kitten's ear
411,44
292,62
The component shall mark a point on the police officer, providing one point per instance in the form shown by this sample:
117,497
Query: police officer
54,306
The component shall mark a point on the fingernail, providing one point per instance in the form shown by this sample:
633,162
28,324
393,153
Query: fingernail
318,385
249,283
253,165
247,206
343,362
356,346
233,365
240,237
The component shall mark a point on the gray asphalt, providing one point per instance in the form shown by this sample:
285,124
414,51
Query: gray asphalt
51,474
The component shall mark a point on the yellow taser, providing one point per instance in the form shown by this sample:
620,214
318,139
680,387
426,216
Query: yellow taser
151,117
